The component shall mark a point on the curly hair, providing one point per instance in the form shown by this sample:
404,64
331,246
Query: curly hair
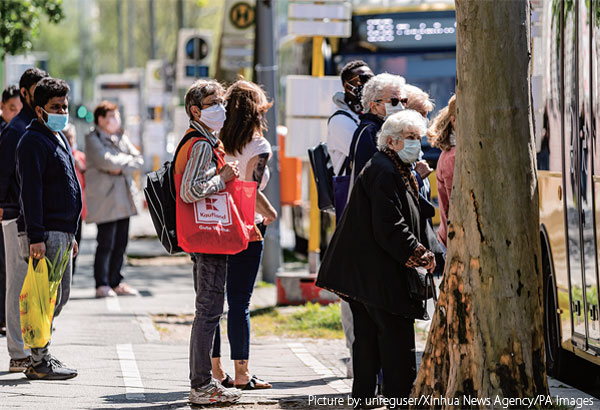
377,85
418,100
246,105
200,90
441,127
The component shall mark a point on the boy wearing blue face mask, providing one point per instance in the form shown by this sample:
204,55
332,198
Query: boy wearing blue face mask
50,202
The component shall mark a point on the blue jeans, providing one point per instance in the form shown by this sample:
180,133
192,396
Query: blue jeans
242,270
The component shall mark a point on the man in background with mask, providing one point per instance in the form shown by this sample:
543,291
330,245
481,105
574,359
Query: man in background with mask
382,96
12,220
50,201
111,161
343,122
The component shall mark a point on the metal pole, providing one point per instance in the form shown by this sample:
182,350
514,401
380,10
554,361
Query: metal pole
180,22
152,28
130,27
266,75
120,52
82,48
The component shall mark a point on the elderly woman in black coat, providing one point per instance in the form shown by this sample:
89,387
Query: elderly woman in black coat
380,239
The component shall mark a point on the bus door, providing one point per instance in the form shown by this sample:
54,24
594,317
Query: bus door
572,176
591,74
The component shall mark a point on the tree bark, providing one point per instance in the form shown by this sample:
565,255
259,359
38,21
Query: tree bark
486,338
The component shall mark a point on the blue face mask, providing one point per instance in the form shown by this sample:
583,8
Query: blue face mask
56,122
410,152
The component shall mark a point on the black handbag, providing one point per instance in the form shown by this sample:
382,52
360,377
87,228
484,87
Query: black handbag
421,286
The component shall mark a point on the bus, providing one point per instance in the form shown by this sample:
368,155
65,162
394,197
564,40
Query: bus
569,178
415,41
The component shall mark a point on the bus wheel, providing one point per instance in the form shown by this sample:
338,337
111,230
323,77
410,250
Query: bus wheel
554,352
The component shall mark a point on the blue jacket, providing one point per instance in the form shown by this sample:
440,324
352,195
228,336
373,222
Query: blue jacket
9,187
362,150
50,192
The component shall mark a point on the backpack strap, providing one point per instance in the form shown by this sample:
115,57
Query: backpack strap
345,114
216,153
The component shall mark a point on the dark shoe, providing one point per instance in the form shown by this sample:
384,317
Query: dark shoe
19,365
254,384
227,381
51,369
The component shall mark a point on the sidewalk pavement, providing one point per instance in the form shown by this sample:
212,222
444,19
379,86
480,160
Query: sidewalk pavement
123,362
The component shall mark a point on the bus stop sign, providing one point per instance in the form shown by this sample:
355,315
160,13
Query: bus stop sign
241,15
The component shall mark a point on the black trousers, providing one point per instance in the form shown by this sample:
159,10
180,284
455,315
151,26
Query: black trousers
2,279
382,341
112,240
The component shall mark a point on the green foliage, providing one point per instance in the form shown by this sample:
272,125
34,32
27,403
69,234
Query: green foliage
20,22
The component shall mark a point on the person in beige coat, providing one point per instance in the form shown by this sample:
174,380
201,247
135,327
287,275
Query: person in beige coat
111,162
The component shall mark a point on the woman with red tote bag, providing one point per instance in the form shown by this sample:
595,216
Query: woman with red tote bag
202,172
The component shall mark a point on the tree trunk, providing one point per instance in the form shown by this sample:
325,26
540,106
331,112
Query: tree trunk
486,339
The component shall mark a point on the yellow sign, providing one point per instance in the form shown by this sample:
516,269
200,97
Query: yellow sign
241,15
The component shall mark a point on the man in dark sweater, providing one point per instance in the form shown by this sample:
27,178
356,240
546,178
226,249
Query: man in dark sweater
50,202
16,267
11,105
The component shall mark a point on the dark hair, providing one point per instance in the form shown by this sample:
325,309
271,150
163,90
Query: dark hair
30,77
48,88
10,92
246,105
346,72
103,108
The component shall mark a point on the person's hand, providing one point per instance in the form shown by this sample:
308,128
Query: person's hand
229,171
37,250
115,172
75,249
1,214
423,168
428,261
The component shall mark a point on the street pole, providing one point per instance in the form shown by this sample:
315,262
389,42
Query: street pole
152,28
121,54
266,75
130,27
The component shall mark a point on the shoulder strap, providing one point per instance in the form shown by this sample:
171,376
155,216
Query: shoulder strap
345,114
186,138
218,156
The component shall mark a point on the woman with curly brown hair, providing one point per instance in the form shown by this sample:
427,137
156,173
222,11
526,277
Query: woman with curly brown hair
244,143
441,135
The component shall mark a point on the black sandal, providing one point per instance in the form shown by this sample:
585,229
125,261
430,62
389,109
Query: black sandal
227,381
252,384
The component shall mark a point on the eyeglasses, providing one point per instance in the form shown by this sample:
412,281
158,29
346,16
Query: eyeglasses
394,101
214,102
363,78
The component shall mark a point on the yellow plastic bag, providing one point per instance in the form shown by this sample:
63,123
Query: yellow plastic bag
36,306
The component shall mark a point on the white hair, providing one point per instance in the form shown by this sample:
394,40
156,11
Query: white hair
375,87
397,123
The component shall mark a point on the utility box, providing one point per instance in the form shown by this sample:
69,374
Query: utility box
297,288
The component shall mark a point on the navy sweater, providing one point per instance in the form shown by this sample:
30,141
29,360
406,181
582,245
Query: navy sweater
50,192
9,187
366,147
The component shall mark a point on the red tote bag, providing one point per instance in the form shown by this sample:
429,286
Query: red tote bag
220,223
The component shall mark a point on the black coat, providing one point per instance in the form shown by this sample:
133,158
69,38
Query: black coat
367,145
378,233
50,192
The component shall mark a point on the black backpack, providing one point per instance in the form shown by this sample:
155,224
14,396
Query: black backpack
320,162
160,196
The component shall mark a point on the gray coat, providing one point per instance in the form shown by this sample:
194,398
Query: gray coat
109,197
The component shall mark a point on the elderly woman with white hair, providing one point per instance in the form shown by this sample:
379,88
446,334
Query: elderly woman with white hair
379,242
382,96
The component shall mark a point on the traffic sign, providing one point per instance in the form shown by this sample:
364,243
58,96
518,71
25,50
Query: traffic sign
323,18
193,56
242,15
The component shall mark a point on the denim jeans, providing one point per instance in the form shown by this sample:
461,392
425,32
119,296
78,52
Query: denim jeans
112,240
57,241
242,270
210,272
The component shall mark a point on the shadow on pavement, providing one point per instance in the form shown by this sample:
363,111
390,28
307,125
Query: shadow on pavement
168,400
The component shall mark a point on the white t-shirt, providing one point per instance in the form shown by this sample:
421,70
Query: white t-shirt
258,145
339,137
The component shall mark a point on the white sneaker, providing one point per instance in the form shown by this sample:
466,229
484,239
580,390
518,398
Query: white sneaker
104,291
214,392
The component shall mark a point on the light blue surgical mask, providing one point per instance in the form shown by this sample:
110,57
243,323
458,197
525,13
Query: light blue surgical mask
410,152
56,122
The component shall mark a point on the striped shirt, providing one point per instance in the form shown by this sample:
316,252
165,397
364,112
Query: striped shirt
200,178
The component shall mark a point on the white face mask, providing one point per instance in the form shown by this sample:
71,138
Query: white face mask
410,152
113,125
390,109
213,117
